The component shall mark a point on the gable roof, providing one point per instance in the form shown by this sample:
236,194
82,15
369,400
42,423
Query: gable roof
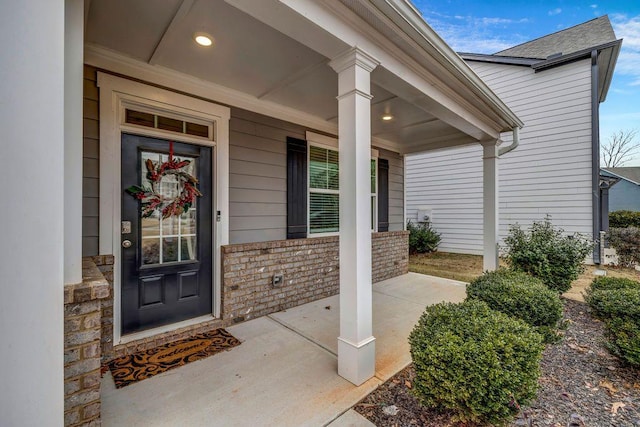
631,174
583,36
564,47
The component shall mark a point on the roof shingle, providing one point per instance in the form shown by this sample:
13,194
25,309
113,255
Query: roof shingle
589,34
631,173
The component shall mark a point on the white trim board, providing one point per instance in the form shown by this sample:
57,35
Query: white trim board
115,94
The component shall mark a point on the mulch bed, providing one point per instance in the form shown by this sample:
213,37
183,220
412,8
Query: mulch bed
581,385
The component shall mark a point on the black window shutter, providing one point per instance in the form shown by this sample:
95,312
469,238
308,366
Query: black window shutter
383,195
296,188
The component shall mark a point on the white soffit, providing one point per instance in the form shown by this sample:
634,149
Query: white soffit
254,66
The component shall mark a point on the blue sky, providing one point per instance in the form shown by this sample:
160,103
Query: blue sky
492,25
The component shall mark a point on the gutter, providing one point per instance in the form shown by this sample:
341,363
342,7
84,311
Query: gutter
514,144
495,59
545,64
451,60
595,154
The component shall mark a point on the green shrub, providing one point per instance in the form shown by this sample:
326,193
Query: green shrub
476,361
626,242
624,339
624,219
422,238
544,252
612,303
617,301
610,283
519,295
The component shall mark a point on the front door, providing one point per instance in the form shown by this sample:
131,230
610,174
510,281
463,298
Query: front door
166,246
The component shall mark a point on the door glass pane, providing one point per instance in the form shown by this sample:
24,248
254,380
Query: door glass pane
151,251
169,249
188,222
173,238
170,226
188,248
151,225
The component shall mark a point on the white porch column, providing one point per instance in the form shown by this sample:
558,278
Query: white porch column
31,218
356,344
73,74
491,215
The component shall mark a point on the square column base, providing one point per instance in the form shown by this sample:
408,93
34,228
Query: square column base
357,362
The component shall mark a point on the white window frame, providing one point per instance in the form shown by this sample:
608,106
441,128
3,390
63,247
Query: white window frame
330,143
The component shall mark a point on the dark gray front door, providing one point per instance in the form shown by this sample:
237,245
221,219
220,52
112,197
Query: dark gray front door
167,269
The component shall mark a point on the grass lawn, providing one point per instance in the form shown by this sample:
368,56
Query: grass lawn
467,267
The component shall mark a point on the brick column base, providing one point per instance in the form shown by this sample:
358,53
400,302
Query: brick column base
82,349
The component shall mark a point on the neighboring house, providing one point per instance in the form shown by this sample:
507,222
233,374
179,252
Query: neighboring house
287,215
555,84
625,194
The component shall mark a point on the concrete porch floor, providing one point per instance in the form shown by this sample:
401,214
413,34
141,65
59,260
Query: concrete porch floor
285,371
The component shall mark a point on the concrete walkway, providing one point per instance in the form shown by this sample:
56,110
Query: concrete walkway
285,371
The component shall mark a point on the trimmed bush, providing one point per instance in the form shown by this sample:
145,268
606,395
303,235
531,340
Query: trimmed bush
519,295
544,252
475,361
603,283
609,304
617,301
422,238
626,242
624,340
624,219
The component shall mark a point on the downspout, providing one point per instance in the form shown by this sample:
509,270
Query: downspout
514,144
595,154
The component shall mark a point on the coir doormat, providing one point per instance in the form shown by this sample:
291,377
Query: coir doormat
145,364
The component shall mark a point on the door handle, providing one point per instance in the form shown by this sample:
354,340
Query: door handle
126,244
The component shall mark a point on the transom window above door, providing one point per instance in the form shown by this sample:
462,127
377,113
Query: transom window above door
166,123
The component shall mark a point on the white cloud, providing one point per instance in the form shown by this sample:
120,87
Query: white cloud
593,6
555,11
474,34
628,28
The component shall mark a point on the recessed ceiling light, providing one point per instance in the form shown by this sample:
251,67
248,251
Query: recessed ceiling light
387,117
203,39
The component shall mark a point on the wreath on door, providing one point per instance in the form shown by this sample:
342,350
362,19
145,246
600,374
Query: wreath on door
151,197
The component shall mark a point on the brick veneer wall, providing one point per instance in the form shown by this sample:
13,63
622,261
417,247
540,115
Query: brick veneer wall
310,268
389,255
82,347
104,263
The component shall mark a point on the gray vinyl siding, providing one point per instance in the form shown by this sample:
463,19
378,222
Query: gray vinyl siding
549,173
258,178
624,195
257,175
90,164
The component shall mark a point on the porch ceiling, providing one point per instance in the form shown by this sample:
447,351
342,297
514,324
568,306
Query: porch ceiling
253,58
